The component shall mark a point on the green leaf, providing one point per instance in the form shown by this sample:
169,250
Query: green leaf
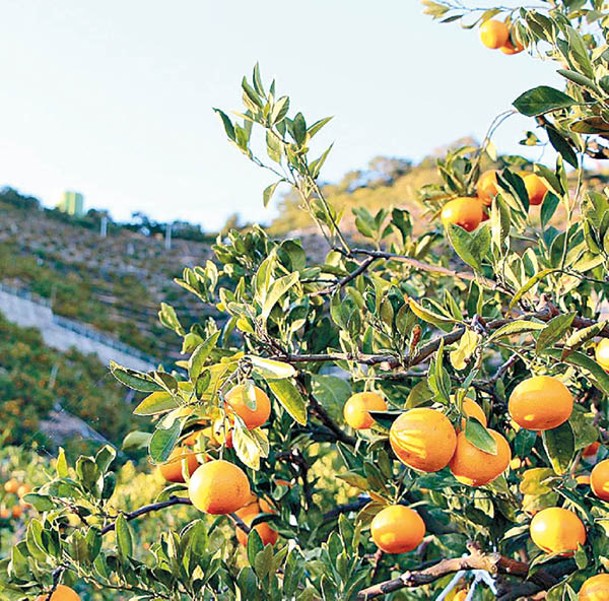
280,110
133,379
580,337
291,399
554,331
428,315
61,466
124,538
593,370
561,144
471,247
480,437
270,369
200,355
541,100
559,444
465,349
268,193
246,447
163,441
135,441
528,285
331,391
548,208
169,318
276,291
228,125
520,326
157,402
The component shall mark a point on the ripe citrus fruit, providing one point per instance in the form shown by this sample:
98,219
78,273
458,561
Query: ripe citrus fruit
583,480
601,353
17,511
494,33
595,588
357,409
237,401
397,529
219,487
486,187
599,480
23,490
172,469
11,486
465,212
540,403
536,188
511,47
472,409
474,467
267,534
61,593
557,530
423,439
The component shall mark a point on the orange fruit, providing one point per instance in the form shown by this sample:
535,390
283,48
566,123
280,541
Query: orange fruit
472,409
494,34
557,530
172,469
248,514
599,480
23,490
583,480
237,402
61,593
510,47
17,511
591,450
486,187
601,353
397,529
11,486
423,439
219,487
5,514
540,403
474,467
595,588
357,409
465,212
536,188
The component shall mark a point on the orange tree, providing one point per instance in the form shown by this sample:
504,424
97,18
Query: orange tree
451,380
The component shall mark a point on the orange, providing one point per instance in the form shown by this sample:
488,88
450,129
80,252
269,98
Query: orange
219,487
252,418
474,467
5,514
172,469
465,212
397,529
583,480
23,490
357,409
248,514
540,403
486,188
17,511
61,593
557,530
536,188
601,353
423,439
599,480
472,409
11,486
494,33
595,588
591,450
510,48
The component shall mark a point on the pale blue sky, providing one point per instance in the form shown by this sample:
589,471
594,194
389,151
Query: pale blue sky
115,98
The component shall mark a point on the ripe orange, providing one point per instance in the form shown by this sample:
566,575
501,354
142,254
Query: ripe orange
357,409
5,514
583,480
536,188
219,487
599,480
486,187
237,401
248,514
510,47
601,353
540,403
397,529
172,469
595,588
465,212
557,530
494,33
591,450
61,593
17,511
472,409
474,467
11,486
423,439
23,490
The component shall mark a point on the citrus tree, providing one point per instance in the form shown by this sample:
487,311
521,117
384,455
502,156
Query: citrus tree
408,417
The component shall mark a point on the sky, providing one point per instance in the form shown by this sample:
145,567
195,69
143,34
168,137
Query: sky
114,98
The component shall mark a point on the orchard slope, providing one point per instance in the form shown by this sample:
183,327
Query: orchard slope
376,423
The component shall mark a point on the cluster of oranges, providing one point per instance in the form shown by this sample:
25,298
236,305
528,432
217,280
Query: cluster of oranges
17,490
496,35
218,487
469,211
426,440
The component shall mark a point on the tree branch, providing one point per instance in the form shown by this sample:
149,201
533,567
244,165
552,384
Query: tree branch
341,283
317,409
